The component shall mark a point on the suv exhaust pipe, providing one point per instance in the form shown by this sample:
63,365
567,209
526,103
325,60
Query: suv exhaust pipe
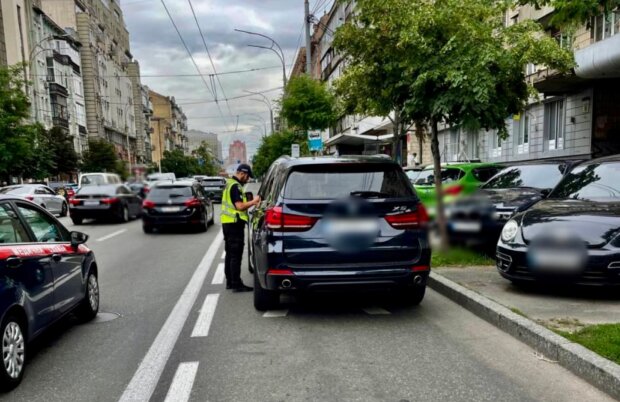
286,283
418,279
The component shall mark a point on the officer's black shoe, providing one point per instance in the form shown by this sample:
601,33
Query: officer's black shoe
228,286
243,288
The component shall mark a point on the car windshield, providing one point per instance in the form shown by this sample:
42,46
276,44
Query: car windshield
171,192
94,179
335,181
448,175
595,182
544,176
15,190
212,183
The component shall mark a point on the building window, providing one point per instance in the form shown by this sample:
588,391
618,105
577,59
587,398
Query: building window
496,145
555,124
523,133
605,26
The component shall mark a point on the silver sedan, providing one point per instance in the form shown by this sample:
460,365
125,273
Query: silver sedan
40,195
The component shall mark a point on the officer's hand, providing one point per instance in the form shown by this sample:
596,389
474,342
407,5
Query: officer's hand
256,200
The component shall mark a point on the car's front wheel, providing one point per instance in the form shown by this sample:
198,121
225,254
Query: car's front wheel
264,299
89,307
13,352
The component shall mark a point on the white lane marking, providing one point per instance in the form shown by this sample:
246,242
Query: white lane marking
224,255
182,383
275,313
201,329
376,311
111,235
144,381
218,278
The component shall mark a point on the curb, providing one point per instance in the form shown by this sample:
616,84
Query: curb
598,371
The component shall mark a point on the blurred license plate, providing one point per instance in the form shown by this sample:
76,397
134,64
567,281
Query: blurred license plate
170,209
556,260
353,226
91,203
467,226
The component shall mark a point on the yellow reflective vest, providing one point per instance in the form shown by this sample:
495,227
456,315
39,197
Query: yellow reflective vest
229,213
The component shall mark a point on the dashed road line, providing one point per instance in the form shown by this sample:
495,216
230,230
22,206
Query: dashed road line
146,378
218,278
201,329
182,383
275,313
376,311
111,235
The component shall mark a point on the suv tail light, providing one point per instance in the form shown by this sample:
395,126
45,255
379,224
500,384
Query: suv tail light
409,220
278,221
453,190
74,201
148,204
193,203
108,201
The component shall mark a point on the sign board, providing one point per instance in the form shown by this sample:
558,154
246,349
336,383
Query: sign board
315,141
295,150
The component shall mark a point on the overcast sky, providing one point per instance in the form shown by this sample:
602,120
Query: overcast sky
156,45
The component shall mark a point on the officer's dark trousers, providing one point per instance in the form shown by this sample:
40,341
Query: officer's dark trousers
234,239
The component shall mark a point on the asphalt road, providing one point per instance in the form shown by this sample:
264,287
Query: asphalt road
180,334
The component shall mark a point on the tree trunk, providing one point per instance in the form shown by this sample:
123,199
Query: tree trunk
419,130
396,123
440,216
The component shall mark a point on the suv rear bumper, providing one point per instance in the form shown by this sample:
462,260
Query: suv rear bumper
317,280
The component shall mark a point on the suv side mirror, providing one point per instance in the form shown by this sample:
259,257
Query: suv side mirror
249,196
78,238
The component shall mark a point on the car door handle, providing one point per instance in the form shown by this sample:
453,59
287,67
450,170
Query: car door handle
14,262
56,257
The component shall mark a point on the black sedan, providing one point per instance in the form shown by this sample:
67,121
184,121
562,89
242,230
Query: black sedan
177,204
214,187
573,236
111,202
46,272
479,219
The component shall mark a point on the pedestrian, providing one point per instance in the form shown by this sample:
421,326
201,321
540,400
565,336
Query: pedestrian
234,218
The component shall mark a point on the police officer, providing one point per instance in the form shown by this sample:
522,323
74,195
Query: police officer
234,218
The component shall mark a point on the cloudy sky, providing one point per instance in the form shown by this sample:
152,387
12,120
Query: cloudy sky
157,46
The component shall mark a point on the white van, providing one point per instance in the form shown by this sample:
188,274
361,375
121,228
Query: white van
99,179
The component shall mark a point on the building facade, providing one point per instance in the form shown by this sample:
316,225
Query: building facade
237,153
575,116
106,59
196,138
168,126
2,41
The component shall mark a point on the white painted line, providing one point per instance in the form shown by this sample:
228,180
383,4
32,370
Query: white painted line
111,235
275,313
182,383
218,278
376,311
201,329
145,379
224,255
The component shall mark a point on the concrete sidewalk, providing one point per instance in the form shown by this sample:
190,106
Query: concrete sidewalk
564,308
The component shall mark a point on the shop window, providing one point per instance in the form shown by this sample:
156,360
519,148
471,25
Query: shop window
555,124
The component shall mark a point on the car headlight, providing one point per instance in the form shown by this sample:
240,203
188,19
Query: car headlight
509,232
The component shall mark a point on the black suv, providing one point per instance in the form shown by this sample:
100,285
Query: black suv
336,224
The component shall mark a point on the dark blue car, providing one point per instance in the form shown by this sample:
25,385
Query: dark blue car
46,272
329,224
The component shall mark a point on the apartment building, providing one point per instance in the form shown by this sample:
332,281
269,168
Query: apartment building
197,137
168,126
2,41
106,59
147,110
576,116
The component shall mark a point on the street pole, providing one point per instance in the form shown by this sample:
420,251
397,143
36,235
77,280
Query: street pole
308,39
275,47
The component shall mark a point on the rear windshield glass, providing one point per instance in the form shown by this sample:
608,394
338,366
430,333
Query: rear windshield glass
595,182
334,182
212,183
15,190
544,176
171,192
448,175
93,179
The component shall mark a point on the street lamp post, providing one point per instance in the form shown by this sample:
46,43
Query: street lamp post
275,47
266,101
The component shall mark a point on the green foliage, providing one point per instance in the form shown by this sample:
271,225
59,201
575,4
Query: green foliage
603,339
570,12
64,158
459,257
274,146
177,162
308,104
17,139
206,161
100,157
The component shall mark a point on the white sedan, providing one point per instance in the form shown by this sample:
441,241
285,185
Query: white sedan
40,195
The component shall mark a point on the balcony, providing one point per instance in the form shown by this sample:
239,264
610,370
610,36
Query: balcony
599,60
60,122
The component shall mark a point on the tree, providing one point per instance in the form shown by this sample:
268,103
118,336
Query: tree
100,157
447,62
274,146
204,155
308,104
177,162
17,139
65,159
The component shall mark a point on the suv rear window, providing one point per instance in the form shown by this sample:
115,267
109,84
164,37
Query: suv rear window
448,175
171,192
341,181
213,183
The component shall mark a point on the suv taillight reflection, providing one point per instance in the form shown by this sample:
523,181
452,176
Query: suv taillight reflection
409,220
278,221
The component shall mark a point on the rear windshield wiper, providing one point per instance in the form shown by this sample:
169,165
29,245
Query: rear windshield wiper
174,195
369,194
